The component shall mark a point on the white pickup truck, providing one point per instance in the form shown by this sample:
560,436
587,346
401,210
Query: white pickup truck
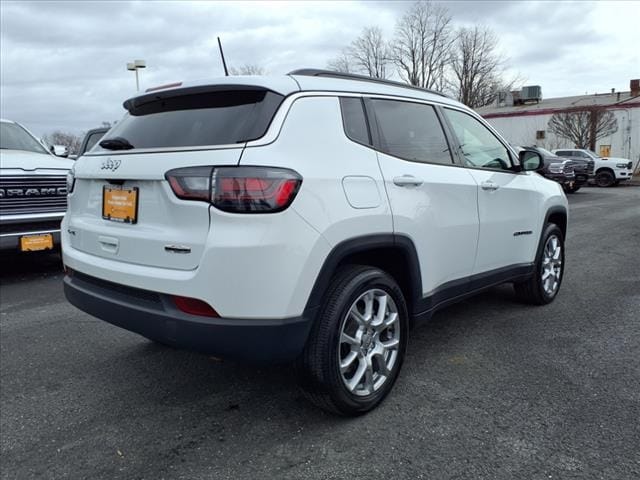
33,191
609,171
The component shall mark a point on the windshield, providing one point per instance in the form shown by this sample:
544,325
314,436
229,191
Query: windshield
14,137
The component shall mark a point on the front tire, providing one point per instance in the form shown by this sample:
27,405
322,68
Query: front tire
544,285
605,178
573,189
357,344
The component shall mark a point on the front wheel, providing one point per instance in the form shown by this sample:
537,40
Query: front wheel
605,178
543,286
572,189
357,344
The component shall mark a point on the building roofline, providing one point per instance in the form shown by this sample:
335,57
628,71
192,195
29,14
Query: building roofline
623,105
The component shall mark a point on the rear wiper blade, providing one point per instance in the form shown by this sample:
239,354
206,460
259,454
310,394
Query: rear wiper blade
116,143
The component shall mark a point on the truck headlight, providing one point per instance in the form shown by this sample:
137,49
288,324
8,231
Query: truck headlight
621,165
556,168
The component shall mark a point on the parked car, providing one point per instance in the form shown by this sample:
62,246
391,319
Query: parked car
90,139
609,171
316,218
562,170
33,191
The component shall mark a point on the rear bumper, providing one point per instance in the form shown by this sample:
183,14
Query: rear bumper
155,316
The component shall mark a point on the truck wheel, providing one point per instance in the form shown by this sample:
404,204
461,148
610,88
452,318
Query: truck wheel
543,286
605,178
357,344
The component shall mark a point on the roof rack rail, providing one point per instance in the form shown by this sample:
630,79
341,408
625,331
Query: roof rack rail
315,72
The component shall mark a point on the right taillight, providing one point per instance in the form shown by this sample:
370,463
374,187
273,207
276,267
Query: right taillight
237,189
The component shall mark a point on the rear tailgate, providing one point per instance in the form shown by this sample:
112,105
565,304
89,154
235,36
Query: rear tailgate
161,133
163,221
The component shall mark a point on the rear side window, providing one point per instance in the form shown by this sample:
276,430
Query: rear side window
411,131
197,119
354,120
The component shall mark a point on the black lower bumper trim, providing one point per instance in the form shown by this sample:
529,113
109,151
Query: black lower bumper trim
266,341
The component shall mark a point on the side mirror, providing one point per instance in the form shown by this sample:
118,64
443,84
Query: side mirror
530,160
60,151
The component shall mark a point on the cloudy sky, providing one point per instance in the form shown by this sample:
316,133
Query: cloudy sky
63,64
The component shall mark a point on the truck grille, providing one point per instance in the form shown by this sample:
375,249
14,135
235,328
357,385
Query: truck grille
582,168
32,194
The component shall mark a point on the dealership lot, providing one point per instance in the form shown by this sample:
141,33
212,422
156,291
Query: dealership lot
490,388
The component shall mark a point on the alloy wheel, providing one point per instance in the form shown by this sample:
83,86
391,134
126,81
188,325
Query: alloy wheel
369,342
551,265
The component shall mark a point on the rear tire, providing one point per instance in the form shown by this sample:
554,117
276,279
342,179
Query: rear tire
605,178
544,285
357,344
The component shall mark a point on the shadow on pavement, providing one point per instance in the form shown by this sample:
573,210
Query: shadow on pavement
18,266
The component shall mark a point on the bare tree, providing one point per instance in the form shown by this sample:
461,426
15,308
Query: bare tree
368,54
342,63
584,127
69,140
422,45
477,67
248,69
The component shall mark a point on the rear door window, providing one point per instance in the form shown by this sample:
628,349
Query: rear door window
187,119
411,131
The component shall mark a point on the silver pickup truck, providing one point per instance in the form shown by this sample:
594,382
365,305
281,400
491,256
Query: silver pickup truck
33,191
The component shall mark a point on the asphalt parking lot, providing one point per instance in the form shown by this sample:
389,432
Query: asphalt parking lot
491,389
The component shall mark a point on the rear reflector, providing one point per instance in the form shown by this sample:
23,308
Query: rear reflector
194,306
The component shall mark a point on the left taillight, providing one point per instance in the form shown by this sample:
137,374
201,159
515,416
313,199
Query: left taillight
237,189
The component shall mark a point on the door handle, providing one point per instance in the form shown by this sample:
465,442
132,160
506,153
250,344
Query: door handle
407,181
489,186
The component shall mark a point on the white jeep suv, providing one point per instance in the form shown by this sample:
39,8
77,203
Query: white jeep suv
312,217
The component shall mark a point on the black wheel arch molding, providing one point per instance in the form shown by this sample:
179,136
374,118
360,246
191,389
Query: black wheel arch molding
556,214
355,249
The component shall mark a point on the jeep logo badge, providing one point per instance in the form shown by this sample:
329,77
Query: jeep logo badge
110,164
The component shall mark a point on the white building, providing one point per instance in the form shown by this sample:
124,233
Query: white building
527,124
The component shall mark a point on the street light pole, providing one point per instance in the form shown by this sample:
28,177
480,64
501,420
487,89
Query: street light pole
134,67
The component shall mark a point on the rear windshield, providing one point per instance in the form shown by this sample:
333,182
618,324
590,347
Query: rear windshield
191,120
